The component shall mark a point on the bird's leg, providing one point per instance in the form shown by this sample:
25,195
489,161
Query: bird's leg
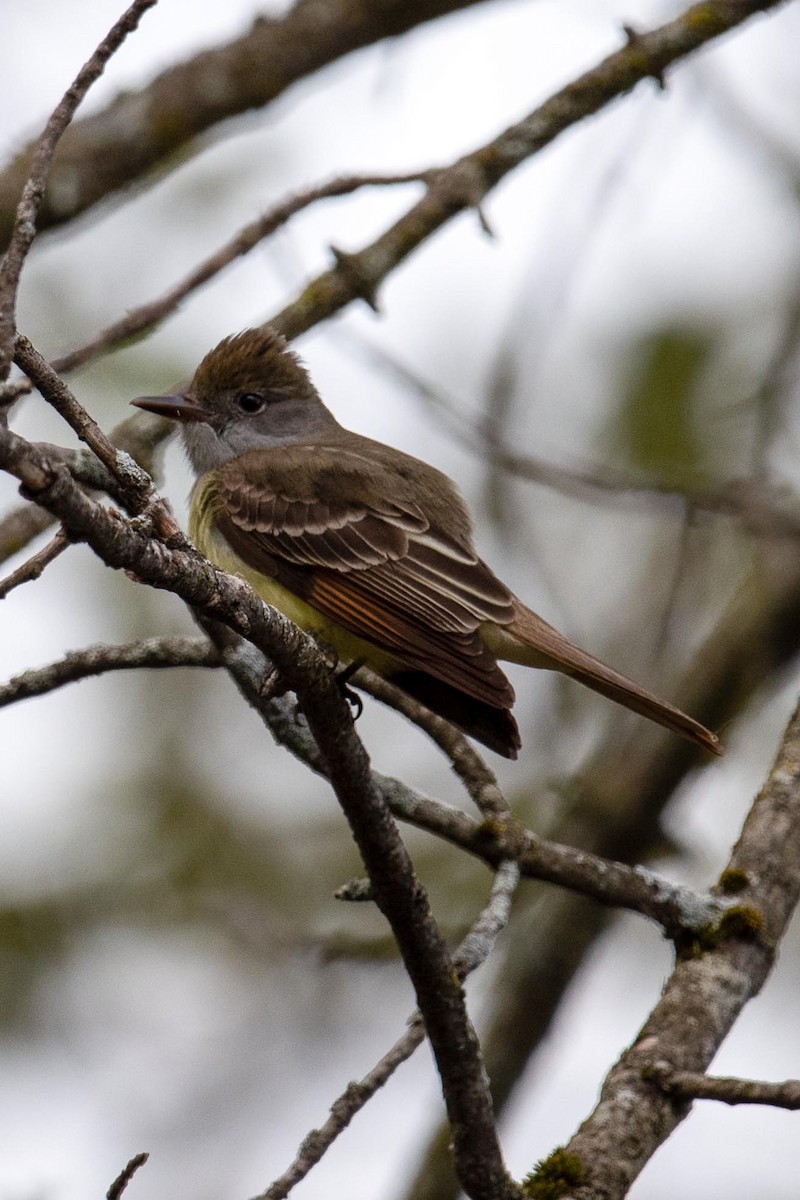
343,675
343,678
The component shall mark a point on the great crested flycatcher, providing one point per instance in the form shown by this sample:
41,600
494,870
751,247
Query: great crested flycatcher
364,546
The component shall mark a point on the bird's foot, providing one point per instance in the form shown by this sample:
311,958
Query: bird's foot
343,678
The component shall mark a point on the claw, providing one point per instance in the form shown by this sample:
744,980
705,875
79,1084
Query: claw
354,700
343,678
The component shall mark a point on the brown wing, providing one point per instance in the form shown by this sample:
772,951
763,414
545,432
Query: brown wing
374,565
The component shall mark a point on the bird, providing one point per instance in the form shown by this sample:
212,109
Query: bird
365,547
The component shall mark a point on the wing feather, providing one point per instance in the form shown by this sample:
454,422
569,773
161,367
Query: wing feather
375,566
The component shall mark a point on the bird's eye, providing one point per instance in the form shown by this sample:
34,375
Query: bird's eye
250,402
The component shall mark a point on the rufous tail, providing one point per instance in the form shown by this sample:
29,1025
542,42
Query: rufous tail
540,645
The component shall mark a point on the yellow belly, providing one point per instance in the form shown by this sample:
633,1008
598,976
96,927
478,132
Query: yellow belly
347,646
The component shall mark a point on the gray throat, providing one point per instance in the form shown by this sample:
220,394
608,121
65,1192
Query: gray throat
289,422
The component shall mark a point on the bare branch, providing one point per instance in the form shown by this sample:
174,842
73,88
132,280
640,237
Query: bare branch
450,190
480,782
694,1085
706,992
35,565
480,941
147,316
398,893
99,660
134,485
472,953
135,482
140,129
464,185
677,908
25,220
125,1176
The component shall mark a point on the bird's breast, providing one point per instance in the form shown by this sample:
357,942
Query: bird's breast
210,541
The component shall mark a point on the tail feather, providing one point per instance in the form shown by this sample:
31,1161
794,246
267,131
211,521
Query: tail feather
493,726
540,645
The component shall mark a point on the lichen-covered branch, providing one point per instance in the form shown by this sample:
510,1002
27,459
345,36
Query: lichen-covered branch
706,992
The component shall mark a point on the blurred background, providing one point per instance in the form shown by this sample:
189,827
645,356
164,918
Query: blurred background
175,975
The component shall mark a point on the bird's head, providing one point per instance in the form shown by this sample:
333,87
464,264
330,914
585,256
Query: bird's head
250,391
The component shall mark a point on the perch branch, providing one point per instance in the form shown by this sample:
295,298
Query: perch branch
399,894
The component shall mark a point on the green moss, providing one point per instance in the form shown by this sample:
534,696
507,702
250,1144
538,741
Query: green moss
743,920
706,20
739,921
492,829
733,881
555,1176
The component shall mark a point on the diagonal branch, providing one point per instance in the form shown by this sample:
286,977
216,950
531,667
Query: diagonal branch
465,184
142,129
399,894
146,316
472,953
29,207
707,990
33,567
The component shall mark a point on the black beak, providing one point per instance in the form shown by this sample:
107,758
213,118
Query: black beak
177,408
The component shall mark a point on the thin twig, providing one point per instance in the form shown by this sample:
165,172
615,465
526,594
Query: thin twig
144,318
33,567
135,485
480,782
677,908
136,481
126,1175
472,953
694,1085
33,192
762,509
100,659
480,941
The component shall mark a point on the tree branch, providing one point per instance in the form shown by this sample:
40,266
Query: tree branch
464,185
140,129
500,837
472,953
125,1176
147,316
178,568
38,168
35,565
479,781
99,660
706,992
694,1085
